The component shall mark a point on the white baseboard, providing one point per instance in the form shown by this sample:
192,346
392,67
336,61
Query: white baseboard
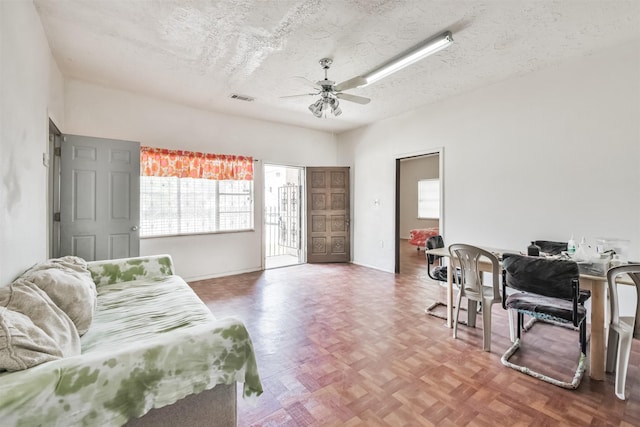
222,274
372,267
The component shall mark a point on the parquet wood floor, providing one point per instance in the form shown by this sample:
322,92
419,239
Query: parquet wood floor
345,345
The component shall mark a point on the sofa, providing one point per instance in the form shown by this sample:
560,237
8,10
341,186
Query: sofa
109,343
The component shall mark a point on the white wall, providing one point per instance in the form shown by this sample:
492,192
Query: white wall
411,171
56,93
30,86
543,156
97,111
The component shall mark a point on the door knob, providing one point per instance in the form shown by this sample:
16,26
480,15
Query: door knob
134,228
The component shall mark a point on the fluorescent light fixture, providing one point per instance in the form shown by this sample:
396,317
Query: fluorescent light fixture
416,53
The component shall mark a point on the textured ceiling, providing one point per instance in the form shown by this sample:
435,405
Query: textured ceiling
198,52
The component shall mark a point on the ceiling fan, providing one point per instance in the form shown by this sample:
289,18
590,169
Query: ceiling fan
330,92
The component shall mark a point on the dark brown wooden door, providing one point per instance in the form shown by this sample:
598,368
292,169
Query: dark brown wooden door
328,215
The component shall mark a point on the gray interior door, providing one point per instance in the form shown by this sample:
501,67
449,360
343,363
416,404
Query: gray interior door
328,234
99,198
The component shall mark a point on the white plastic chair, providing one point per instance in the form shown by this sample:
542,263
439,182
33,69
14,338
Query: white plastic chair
466,258
622,329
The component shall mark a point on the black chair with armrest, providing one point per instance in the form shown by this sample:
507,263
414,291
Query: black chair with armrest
553,248
547,290
550,247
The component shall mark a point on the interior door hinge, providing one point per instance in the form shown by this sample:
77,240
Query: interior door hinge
57,151
56,216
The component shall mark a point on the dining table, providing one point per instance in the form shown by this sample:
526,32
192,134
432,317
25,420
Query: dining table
596,284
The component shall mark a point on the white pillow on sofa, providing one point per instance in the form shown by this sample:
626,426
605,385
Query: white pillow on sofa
33,329
68,283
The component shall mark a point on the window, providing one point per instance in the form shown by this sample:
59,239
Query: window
180,195
429,198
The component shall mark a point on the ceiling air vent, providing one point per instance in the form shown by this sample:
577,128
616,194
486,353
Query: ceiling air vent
241,97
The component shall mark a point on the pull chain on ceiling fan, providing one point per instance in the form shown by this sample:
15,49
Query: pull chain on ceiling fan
330,92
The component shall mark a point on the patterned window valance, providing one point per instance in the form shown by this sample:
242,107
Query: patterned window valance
191,164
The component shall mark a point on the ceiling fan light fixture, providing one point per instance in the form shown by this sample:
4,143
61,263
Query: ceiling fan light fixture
317,108
418,52
323,104
335,107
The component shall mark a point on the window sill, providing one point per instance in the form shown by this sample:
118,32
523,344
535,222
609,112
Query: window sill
247,230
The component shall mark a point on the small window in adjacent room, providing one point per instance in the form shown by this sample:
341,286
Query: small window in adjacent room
429,199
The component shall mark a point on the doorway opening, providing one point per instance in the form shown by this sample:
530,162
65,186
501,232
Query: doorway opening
283,219
53,191
419,208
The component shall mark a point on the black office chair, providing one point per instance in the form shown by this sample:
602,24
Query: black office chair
438,272
547,290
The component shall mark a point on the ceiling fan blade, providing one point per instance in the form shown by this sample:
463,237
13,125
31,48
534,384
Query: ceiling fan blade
302,94
307,82
350,84
353,98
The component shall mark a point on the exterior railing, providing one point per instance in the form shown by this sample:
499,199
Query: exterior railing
277,234
282,223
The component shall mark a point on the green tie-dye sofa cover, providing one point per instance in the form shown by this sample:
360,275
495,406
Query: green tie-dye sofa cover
151,343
